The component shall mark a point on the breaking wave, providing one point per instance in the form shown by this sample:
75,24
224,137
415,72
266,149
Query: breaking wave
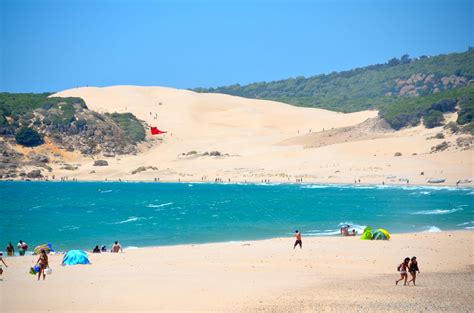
159,205
436,212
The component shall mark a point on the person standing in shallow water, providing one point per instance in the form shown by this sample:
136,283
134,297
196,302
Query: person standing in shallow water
10,249
298,240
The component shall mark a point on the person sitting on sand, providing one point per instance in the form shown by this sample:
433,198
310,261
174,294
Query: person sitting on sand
1,260
96,249
353,233
413,267
403,268
103,249
10,249
116,247
345,230
298,240
43,264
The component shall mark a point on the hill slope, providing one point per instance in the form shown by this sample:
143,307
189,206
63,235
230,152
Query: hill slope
372,87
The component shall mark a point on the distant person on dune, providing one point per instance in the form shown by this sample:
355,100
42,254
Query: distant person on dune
116,247
298,240
402,269
413,267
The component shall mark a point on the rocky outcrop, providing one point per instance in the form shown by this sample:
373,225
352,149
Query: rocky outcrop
440,147
101,163
420,83
34,174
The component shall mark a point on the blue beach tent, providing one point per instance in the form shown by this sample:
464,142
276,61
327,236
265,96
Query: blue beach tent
74,257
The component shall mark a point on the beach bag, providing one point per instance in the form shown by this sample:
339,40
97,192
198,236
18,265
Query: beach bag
34,269
48,271
399,267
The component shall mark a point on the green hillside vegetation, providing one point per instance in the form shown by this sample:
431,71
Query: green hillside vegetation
19,110
408,111
130,124
369,87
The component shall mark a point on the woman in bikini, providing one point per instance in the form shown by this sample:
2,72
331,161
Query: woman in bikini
43,264
413,269
403,268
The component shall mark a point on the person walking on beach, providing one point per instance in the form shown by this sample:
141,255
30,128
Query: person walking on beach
1,260
298,240
413,267
116,247
403,268
43,264
10,249
22,247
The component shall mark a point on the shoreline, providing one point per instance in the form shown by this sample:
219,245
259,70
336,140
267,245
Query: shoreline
250,241
329,184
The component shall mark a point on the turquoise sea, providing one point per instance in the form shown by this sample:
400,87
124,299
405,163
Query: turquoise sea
84,214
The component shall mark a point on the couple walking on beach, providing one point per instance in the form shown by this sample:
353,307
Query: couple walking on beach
408,266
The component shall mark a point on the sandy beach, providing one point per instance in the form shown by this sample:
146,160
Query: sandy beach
259,140
328,274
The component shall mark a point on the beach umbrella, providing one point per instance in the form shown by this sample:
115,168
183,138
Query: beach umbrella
74,257
367,234
46,247
380,234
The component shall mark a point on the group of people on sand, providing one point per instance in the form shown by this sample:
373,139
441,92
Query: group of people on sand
116,247
344,231
42,263
408,266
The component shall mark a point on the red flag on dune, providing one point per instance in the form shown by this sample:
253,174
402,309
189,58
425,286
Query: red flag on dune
156,131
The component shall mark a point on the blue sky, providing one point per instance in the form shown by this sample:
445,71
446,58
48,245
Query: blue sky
56,45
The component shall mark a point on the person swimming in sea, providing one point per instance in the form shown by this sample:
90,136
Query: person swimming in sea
402,269
298,240
413,268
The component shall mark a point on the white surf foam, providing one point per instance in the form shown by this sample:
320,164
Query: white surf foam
432,229
130,248
315,186
159,205
130,219
436,212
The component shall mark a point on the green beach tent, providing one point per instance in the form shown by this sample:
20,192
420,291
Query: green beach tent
367,234
380,234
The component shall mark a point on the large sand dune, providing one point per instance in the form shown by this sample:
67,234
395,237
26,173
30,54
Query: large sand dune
265,140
